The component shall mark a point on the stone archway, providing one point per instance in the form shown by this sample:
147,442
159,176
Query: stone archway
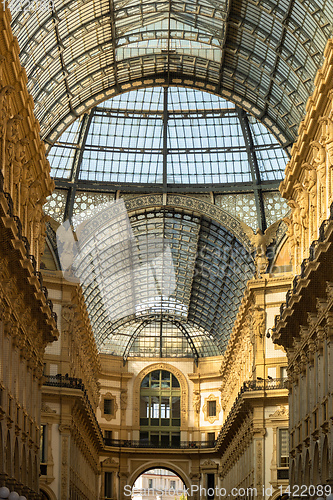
156,464
47,493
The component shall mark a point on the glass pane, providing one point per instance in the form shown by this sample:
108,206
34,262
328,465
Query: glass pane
175,439
154,407
145,382
155,379
108,406
284,447
154,438
211,437
175,406
165,407
144,436
165,380
175,382
211,408
165,439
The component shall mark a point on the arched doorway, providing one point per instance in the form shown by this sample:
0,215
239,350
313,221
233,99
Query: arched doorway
160,397
157,484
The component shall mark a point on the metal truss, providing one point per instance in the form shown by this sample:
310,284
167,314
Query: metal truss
263,55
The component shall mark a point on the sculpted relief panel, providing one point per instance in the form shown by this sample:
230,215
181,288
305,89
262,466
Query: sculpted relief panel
24,170
308,185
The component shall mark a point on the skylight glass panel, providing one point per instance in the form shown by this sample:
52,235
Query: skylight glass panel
126,139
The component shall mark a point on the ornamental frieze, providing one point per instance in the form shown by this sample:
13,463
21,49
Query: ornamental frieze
194,205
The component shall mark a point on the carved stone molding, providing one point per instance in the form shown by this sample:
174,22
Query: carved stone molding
213,418
209,465
112,415
281,412
186,202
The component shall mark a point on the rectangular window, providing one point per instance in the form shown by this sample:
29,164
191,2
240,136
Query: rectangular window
150,483
307,427
283,448
212,408
172,485
283,372
108,438
210,486
42,444
108,485
108,406
211,437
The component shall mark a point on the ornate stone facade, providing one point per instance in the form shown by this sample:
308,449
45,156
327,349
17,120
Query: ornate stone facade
27,323
304,326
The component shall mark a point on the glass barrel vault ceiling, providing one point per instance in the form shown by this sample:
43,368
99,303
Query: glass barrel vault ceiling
174,139
261,54
211,269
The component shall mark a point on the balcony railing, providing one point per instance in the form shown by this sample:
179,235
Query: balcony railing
264,384
63,381
248,386
128,443
267,384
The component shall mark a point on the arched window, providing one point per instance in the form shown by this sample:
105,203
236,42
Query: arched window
160,409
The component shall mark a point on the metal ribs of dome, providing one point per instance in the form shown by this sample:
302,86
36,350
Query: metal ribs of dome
168,140
211,266
260,54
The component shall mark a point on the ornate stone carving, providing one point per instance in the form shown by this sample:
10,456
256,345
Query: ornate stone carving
209,464
292,242
68,316
281,412
319,162
260,242
123,400
64,467
188,203
211,418
196,401
303,202
259,464
46,409
329,290
259,322
296,221
328,132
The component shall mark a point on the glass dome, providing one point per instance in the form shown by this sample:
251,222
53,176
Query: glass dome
164,143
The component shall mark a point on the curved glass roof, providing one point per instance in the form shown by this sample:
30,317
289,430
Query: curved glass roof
164,142
262,55
168,140
180,306
199,137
